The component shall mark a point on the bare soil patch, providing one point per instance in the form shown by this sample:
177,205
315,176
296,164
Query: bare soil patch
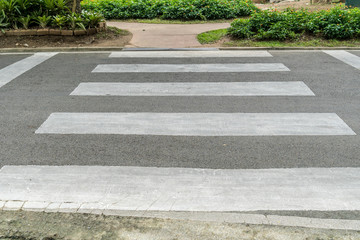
55,226
112,37
297,5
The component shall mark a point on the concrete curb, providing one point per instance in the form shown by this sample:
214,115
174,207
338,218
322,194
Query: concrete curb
111,49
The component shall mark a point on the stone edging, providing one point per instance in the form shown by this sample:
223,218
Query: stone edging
54,32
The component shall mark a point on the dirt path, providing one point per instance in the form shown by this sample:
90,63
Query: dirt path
166,35
295,4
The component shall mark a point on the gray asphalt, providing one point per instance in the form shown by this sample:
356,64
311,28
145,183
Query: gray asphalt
27,102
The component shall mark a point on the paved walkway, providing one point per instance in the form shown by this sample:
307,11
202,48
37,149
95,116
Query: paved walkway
166,35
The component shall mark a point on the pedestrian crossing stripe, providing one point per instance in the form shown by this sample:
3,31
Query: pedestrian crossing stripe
196,124
184,189
194,89
178,68
189,54
14,70
345,57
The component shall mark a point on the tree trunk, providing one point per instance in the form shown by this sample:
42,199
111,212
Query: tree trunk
76,6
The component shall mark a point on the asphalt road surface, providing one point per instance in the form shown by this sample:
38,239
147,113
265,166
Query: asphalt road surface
189,110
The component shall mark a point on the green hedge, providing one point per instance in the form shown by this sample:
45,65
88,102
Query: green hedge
171,9
337,23
26,14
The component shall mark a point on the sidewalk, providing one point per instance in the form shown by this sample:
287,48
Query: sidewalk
166,35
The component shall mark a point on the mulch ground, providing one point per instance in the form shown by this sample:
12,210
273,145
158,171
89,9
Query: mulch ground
112,37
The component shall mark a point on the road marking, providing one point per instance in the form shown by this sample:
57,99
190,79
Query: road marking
188,54
14,70
159,68
194,89
345,57
196,124
184,189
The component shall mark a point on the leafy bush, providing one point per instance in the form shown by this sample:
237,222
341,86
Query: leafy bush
337,23
171,9
44,13
241,28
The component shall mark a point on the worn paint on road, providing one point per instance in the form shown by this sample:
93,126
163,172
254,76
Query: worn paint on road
188,54
14,70
194,89
164,68
183,189
196,124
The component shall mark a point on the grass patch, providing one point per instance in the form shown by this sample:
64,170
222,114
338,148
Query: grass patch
118,31
305,41
211,36
164,21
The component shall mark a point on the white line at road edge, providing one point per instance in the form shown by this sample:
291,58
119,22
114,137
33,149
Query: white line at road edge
194,89
118,188
197,124
177,68
14,70
345,57
188,54
174,192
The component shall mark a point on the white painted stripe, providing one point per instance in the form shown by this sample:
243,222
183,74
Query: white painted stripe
188,54
196,124
346,57
194,89
184,189
14,70
158,68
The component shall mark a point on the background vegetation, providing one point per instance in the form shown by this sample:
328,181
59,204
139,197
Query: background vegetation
171,9
44,13
336,23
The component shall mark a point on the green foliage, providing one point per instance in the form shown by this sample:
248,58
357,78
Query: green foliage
171,9
81,25
25,21
60,21
337,23
3,21
43,21
241,28
44,13
211,36
93,18
73,19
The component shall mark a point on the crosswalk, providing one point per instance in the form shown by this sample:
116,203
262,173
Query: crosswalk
190,68
194,89
194,124
189,54
184,189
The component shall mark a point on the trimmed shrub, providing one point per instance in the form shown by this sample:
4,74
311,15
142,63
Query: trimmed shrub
337,23
171,9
